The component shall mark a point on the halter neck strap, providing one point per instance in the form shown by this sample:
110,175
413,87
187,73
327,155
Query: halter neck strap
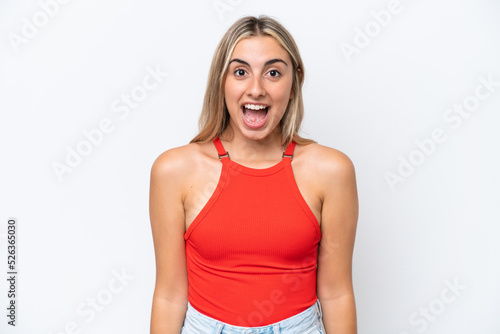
221,151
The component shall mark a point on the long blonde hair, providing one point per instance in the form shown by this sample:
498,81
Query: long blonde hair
214,115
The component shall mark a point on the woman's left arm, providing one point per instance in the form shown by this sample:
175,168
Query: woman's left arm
339,216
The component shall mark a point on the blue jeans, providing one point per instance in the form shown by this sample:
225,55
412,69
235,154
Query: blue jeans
309,321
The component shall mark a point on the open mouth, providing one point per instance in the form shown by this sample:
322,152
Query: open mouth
255,114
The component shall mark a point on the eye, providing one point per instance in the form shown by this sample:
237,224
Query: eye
274,73
239,72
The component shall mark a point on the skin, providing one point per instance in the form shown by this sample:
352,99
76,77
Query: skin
184,178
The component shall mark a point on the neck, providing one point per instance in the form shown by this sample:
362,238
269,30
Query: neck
245,149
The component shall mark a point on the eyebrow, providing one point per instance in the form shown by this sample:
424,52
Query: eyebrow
269,62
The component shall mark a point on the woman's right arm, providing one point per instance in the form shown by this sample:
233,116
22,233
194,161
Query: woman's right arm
168,226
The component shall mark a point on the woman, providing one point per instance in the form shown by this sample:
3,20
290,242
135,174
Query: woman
259,240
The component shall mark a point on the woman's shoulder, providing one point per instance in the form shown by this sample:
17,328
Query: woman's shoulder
326,167
325,170
183,159
324,157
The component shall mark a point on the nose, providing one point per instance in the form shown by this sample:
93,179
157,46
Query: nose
256,88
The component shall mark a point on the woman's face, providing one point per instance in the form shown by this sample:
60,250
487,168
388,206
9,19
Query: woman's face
258,87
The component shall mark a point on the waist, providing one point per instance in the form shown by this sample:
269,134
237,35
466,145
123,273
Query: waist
310,318
253,299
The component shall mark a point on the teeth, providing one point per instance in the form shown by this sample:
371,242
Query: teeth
254,106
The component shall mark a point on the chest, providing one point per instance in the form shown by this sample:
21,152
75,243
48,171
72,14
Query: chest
255,217
203,185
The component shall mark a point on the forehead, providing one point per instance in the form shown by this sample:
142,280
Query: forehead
259,49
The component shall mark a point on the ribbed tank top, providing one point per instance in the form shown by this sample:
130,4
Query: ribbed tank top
252,250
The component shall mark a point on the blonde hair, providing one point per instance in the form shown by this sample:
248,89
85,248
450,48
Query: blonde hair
214,115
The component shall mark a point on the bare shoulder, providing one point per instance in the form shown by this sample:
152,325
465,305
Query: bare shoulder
327,177
180,160
326,162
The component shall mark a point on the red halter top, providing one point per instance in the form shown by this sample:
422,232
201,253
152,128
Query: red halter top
252,250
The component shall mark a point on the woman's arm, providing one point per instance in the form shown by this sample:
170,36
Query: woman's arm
339,217
168,226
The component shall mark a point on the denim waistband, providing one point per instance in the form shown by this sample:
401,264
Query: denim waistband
197,322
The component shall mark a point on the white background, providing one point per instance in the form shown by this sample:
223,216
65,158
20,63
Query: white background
441,224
